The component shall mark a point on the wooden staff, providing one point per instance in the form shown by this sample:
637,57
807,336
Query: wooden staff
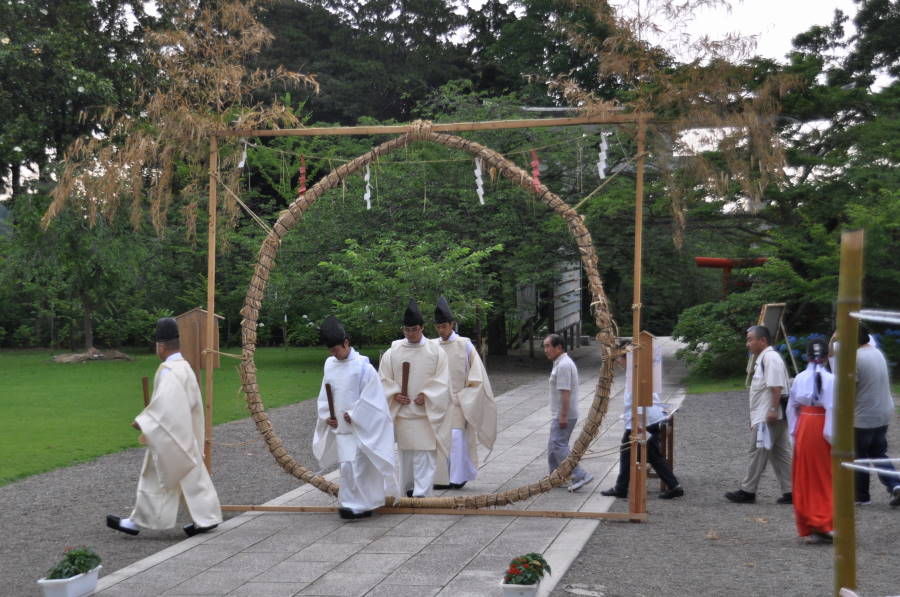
146,386
330,397
404,386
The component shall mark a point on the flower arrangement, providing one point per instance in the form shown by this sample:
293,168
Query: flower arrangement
77,560
526,570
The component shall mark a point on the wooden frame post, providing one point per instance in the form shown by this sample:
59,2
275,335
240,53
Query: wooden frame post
849,299
637,491
208,359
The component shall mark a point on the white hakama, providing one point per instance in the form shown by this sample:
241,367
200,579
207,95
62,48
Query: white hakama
364,448
423,432
173,429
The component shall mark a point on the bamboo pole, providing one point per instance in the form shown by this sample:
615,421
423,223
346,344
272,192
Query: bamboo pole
208,361
451,511
487,125
849,299
637,492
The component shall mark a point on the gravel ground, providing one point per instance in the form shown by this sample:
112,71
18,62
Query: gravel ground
704,545
42,515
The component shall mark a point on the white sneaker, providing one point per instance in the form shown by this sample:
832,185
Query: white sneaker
576,485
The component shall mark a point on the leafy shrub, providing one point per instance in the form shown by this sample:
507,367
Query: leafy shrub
77,560
23,337
889,342
526,570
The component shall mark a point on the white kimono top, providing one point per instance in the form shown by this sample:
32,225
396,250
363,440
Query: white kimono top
805,393
356,389
471,396
417,427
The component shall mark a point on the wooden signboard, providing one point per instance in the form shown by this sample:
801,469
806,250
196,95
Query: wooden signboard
192,335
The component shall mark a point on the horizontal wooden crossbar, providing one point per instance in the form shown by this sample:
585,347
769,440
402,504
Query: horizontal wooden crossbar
440,127
453,511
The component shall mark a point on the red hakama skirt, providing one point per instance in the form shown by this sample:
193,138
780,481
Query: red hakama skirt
812,473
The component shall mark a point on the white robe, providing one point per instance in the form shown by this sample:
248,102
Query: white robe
365,447
803,393
420,429
173,428
473,412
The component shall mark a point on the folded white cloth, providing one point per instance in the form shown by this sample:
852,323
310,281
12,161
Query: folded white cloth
763,437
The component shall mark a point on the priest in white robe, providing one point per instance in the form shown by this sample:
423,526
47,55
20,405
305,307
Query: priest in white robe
359,434
473,412
172,427
421,424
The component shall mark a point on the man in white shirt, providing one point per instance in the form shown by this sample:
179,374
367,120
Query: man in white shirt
769,438
563,408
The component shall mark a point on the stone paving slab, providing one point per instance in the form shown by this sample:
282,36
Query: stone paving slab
264,554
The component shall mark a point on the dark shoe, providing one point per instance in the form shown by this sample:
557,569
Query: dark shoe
191,529
442,486
113,522
787,498
740,497
895,497
409,493
348,514
458,485
613,492
669,494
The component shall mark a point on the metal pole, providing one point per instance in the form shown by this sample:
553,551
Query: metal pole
210,299
637,486
849,298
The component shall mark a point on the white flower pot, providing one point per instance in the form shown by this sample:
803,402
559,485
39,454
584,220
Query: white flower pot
74,586
519,590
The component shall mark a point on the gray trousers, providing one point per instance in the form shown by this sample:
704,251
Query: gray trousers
779,456
558,447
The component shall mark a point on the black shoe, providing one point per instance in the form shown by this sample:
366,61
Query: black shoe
348,514
613,492
895,497
740,497
114,522
787,498
441,486
457,485
409,493
191,529
669,494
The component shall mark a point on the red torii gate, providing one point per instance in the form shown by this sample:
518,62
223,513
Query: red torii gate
726,265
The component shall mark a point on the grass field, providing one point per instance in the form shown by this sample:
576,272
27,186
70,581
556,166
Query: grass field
53,415
698,384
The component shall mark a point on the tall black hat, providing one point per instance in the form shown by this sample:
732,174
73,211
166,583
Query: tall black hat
166,329
331,332
413,316
442,313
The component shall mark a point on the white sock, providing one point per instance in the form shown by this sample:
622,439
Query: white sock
127,523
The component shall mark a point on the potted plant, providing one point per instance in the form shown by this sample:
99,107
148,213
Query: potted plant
523,575
75,575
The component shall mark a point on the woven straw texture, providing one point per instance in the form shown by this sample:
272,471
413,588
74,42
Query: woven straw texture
420,131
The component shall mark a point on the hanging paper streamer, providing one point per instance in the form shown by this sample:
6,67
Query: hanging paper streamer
302,174
368,196
243,156
601,159
535,172
479,183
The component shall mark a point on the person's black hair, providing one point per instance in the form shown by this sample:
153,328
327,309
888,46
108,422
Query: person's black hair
761,331
557,340
862,335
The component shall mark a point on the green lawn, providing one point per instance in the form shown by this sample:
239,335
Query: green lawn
697,384
54,415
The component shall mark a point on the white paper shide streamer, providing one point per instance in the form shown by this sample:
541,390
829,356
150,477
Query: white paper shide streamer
479,182
243,157
601,159
368,196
